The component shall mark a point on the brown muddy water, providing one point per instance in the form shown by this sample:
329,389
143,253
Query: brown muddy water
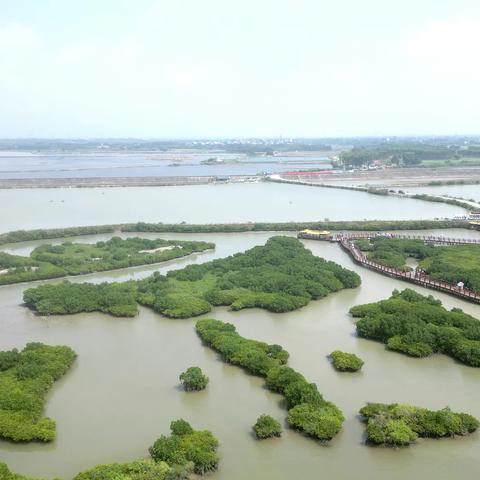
123,390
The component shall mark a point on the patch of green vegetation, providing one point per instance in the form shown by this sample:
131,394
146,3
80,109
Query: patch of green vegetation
193,379
346,362
457,162
49,233
308,411
267,427
117,299
186,445
25,378
145,469
397,425
452,263
393,252
360,225
417,325
53,261
281,276
456,263
176,457
6,474
438,183
449,201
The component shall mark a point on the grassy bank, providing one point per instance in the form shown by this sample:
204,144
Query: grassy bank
362,225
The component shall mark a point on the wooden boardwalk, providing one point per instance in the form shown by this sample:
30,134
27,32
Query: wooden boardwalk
424,238
346,241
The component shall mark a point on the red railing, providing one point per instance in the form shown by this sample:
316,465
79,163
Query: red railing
424,238
419,278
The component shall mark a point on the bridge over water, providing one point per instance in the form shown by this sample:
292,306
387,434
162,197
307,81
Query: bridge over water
347,242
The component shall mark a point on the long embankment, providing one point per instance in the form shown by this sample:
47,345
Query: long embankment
107,182
457,202
369,225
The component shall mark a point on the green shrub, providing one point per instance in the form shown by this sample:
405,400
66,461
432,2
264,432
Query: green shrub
186,445
267,427
395,424
25,378
322,422
450,263
309,412
139,470
194,379
417,325
117,299
346,362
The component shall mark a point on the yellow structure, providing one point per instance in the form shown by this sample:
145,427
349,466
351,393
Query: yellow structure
475,224
318,234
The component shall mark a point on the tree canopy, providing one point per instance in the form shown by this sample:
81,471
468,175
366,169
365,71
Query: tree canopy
194,379
419,326
346,362
25,378
308,411
397,424
53,261
452,263
280,276
186,445
267,427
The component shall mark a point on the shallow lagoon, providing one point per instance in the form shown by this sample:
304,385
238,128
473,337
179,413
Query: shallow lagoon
123,390
221,203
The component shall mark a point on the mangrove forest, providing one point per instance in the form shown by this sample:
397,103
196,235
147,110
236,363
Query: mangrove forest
398,425
419,326
53,261
25,378
280,276
308,412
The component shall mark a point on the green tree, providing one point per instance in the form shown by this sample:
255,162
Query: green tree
194,379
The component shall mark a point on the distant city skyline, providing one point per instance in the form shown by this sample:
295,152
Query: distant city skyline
218,69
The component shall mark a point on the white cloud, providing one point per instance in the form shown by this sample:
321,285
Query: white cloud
15,37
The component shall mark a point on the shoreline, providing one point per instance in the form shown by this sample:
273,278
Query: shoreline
393,177
19,236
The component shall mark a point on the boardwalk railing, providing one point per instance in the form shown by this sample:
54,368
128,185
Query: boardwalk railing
424,238
419,278
346,240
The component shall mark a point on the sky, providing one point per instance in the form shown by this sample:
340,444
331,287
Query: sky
231,68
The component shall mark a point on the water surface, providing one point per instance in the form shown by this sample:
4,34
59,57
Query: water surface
224,203
123,391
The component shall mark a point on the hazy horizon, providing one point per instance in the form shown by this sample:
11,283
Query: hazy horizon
158,69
